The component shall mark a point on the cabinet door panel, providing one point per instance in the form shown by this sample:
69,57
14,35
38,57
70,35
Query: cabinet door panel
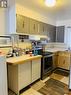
19,23
64,62
27,25
51,32
60,33
55,60
22,23
60,61
67,63
36,69
33,26
24,75
42,28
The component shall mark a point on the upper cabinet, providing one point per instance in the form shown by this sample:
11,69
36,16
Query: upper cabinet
34,26
42,28
30,26
22,24
51,32
60,33
18,23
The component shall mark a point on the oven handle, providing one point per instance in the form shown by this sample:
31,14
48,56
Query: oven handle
49,55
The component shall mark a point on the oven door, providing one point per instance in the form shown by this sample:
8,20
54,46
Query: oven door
47,63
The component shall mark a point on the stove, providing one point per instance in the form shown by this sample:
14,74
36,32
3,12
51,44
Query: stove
45,53
46,64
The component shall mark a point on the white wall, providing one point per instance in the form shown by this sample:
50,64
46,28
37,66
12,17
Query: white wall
11,19
3,22
63,22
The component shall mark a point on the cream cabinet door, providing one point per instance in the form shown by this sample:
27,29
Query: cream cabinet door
22,24
36,69
43,29
24,71
34,25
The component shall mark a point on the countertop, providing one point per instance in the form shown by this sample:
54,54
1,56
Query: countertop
55,49
21,59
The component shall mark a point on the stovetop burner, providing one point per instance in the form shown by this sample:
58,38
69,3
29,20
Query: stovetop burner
46,53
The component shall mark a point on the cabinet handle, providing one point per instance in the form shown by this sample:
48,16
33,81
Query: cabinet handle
38,28
34,26
64,62
23,24
43,29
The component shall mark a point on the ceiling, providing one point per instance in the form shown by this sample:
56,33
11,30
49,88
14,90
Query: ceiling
62,10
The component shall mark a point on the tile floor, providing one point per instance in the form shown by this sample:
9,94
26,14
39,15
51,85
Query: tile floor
40,84
61,78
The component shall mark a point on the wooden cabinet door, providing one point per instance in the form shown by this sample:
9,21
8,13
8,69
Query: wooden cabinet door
24,74
33,26
61,61
22,24
55,60
36,69
64,62
67,63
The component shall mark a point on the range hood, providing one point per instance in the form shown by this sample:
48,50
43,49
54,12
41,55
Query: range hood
37,37
32,37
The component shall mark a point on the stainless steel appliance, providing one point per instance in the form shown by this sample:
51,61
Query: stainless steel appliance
46,64
46,61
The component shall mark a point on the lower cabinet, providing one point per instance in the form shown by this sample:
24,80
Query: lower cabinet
55,60
64,61
22,75
36,69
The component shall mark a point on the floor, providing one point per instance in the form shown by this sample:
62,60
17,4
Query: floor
54,87
37,86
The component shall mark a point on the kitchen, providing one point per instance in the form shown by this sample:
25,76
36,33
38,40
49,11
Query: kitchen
23,22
